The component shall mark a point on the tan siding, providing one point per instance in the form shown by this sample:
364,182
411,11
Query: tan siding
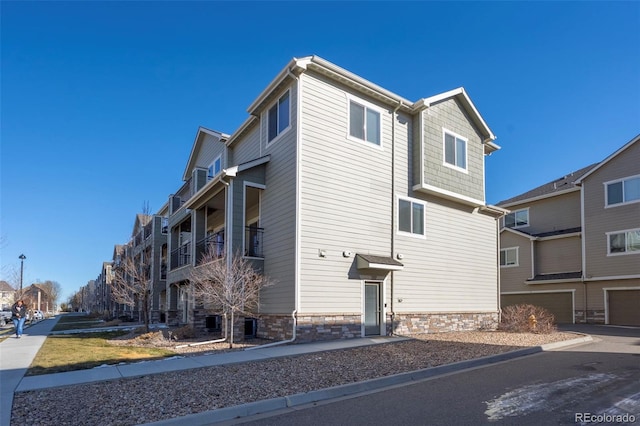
450,115
454,268
558,255
600,220
512,278
345,205
552,214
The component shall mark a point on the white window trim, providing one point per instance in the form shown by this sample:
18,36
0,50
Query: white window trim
625,253
424,218
606,192
466,151
265,119
504,224
213,167
369,105
517,249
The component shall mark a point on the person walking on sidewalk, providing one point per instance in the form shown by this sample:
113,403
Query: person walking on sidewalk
18,315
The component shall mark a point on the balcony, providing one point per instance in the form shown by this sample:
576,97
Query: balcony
253,241
181,256
213,243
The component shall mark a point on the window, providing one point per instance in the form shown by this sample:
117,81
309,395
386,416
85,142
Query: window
278,117
215,168
517,219
364,122
625,242
623,191
509,256
411,217
455,150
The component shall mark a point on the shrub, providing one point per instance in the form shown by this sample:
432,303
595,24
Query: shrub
186,332
526,318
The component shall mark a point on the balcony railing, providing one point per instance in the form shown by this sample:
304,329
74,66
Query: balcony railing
253,241
212,243
181,256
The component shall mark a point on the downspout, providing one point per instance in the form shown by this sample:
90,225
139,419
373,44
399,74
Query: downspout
296,295
498,268
393,208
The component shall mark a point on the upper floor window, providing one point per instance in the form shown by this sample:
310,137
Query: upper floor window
623,242
623,191
509,256
455,150
364,122
165,225
279,116
215,167
517,219
411,216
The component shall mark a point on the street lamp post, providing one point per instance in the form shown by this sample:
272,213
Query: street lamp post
22,257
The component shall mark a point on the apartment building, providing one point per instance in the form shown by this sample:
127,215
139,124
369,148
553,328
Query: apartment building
573,245
366,209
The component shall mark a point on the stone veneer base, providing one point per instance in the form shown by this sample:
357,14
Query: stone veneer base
311,328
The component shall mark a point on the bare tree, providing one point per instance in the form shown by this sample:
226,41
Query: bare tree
131,284
53,289
231,286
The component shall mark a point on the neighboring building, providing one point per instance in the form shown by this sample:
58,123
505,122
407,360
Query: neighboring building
7,296
573,245
368,210
37,297
149,248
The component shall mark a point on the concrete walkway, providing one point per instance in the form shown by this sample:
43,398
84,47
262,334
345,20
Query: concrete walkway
16,356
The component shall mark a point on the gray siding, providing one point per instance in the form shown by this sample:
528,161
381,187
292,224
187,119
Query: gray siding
247,148
600,220
450,115
210,149
455,268
346,199
279,215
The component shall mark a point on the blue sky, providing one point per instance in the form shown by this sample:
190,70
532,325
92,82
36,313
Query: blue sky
100,101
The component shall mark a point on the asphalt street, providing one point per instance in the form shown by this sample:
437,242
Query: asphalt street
576,385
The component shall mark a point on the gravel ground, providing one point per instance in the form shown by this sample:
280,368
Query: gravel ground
163,396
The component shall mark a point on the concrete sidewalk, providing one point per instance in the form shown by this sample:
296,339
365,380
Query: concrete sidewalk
16,356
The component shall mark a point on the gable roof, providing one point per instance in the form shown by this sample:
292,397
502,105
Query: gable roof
5,286
566,183
197,144
297,66
461,96
609,158
141,220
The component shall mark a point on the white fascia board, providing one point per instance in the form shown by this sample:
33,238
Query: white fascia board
515,231
468,104
450,195
196,146
606,160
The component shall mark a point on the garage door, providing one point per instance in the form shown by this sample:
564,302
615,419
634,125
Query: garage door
559,304
624,307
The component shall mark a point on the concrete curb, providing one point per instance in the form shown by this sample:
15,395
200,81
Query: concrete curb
352,389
